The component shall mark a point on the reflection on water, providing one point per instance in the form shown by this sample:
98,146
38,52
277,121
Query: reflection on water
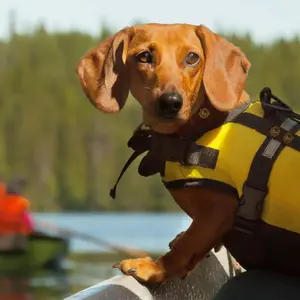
54,285
24,288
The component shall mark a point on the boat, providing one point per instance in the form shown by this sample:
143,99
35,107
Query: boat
202,284
43,251
209,280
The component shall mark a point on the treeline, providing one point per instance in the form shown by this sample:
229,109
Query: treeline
69,151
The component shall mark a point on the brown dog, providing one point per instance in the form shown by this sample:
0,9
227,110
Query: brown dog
170,70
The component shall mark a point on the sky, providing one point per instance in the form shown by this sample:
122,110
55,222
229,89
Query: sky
264,19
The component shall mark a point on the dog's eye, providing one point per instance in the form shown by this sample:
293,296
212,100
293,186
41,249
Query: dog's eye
192,59
144,57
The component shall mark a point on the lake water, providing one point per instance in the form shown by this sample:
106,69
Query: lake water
148,231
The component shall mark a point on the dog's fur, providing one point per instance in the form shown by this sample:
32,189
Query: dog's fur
108,72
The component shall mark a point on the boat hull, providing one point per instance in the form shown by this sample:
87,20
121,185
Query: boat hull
42,252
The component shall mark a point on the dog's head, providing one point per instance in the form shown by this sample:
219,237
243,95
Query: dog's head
168,69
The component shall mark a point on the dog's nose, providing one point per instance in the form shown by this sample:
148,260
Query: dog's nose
170,104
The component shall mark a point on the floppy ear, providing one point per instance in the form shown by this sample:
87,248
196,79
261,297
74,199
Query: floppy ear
102,73
225,72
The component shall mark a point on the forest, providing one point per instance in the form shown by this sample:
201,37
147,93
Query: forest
70,153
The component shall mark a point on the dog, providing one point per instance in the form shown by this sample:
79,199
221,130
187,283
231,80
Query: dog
187,78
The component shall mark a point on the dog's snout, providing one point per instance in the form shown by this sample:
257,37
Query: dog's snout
170,104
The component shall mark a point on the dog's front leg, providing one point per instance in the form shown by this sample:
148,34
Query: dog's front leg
191,247
174,263
213,215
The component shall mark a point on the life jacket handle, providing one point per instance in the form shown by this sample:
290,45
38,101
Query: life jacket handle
266,96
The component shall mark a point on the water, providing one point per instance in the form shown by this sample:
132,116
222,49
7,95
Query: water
150,232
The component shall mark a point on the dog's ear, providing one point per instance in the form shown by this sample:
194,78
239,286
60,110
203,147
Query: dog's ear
102,72
225,72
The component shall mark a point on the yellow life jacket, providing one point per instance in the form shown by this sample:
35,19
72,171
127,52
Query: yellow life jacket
254,154
237,145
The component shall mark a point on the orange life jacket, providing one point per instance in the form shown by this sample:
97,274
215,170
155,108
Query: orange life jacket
12,208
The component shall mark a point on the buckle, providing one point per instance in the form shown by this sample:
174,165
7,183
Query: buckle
251,203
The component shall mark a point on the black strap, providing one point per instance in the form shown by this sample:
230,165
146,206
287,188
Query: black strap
140,142
197,155
255,189
133,156
202,183
269,127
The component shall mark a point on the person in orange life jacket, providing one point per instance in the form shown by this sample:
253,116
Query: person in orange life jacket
16,207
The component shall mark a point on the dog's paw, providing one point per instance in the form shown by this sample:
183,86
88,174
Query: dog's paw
142,269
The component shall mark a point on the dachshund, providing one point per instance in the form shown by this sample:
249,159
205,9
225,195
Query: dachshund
172,70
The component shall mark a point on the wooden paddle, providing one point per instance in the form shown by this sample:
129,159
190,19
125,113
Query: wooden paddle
91,238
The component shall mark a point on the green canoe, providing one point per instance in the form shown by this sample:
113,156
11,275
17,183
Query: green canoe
43,252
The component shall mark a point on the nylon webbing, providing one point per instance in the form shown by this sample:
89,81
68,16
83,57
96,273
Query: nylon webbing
133,156
264,126
255,188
